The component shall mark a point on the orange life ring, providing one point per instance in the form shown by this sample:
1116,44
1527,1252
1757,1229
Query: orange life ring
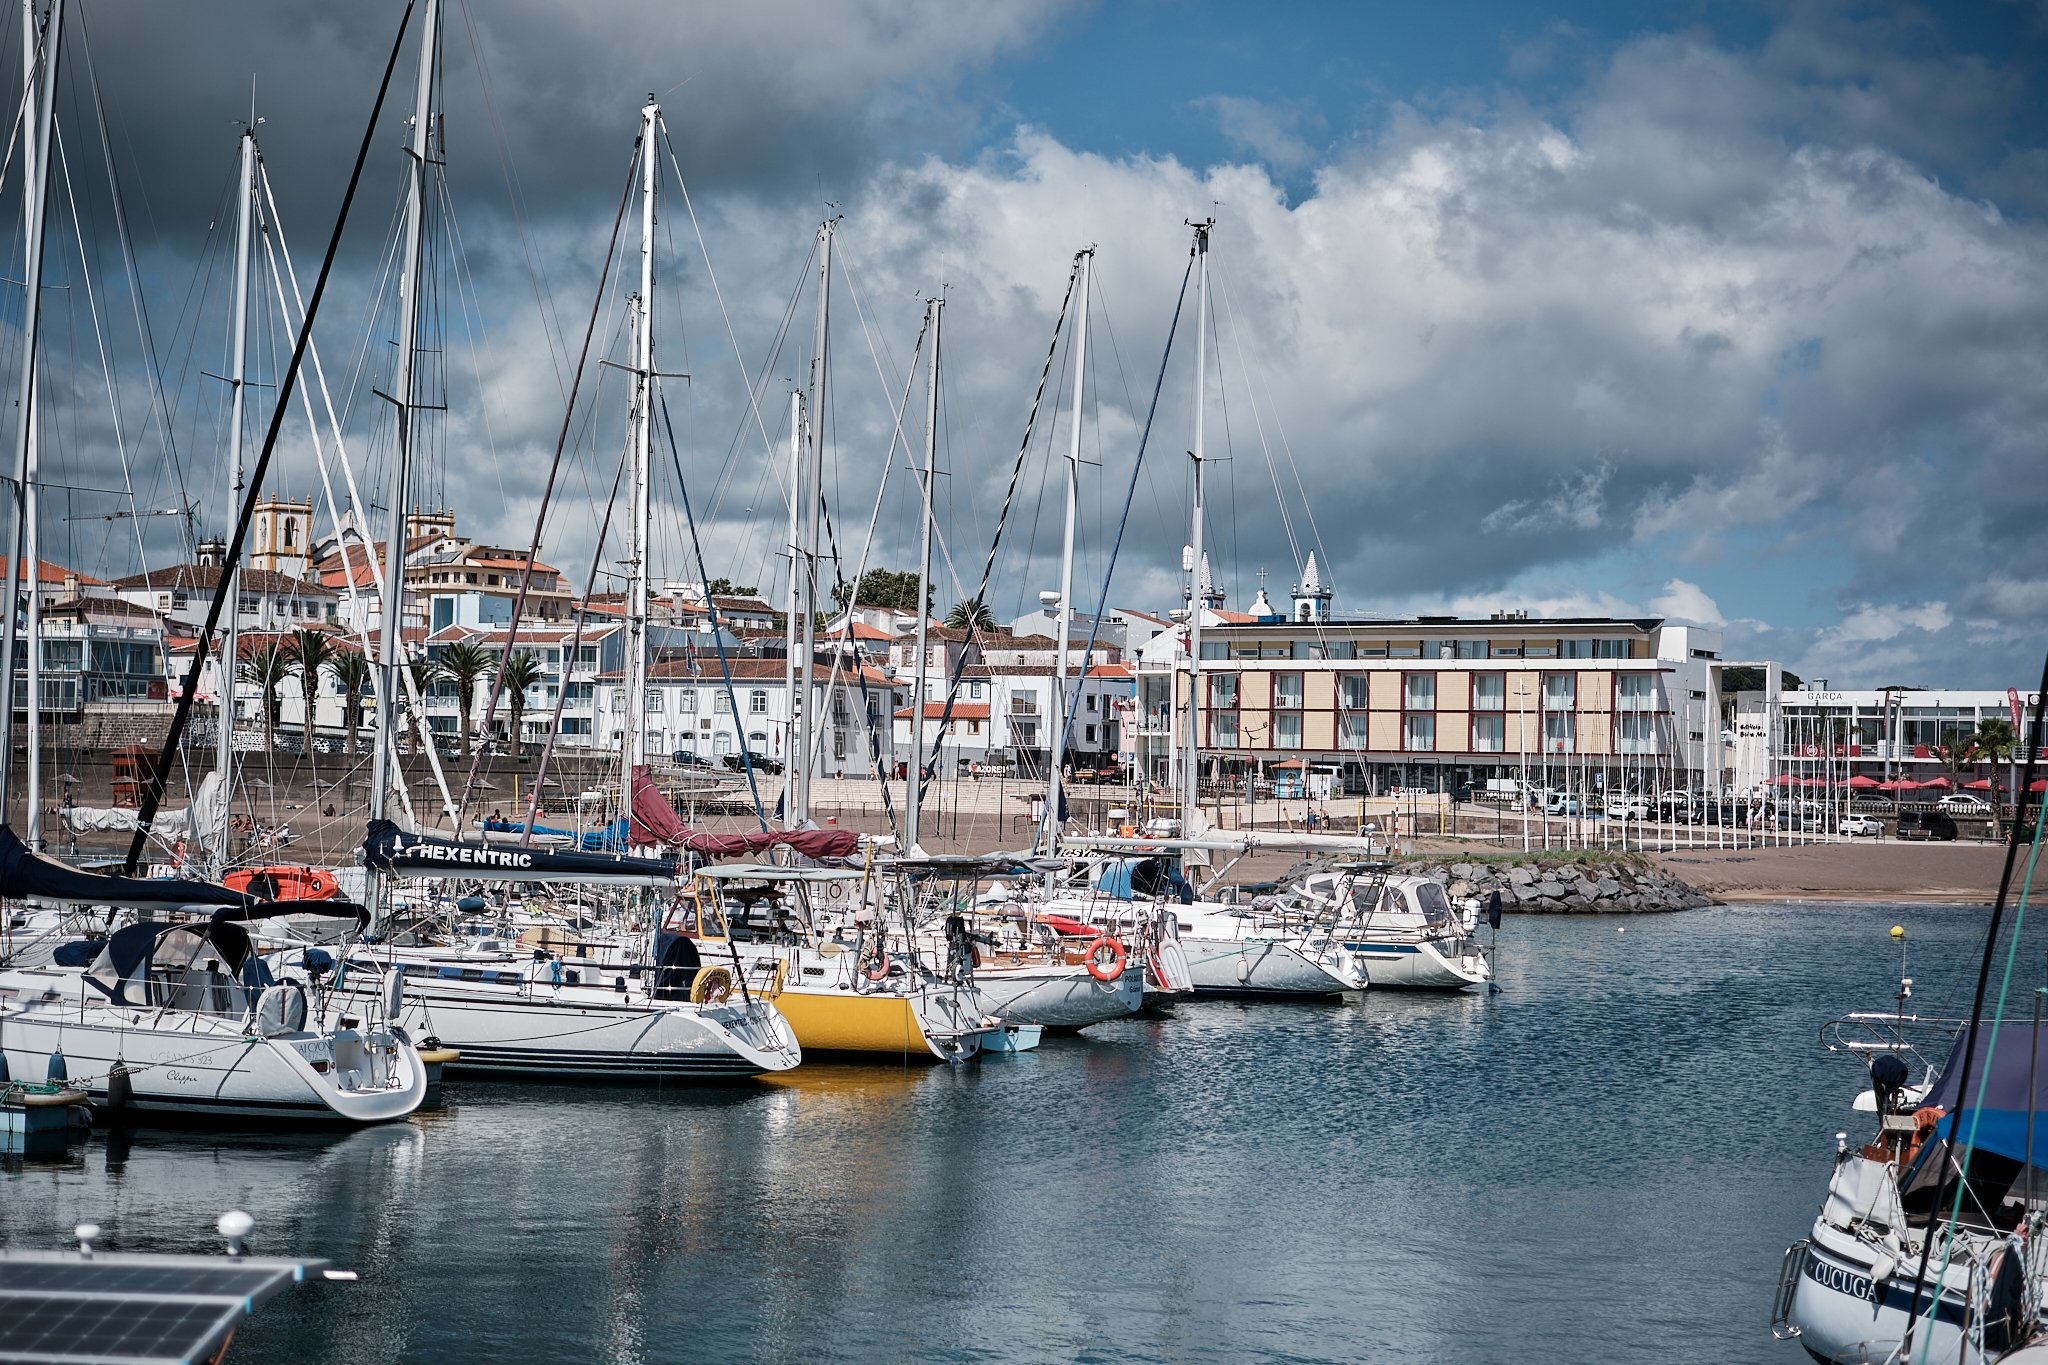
178,854
878,970
1094,955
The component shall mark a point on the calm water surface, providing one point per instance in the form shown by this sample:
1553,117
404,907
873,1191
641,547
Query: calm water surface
1603,1162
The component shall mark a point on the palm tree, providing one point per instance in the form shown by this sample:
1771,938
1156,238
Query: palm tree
350,669
466,664
520,672
1994,742
311,652
425,673
267,665
971,613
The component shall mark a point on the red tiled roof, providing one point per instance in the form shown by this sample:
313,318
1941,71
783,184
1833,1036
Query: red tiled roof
936,710
46,572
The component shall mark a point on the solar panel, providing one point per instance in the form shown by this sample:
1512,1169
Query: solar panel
62,1308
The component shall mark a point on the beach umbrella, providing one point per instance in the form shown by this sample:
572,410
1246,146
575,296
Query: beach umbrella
2039,784
1862,783
1982,784
1940,782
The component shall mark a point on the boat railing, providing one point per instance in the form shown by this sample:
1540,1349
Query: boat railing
1926,1040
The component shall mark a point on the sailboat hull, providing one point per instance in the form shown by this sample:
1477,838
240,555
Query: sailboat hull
1259,967
146,1064
913,1027
1058,997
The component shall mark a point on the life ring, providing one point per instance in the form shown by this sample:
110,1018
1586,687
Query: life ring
878,969
178,854
1093,959
711,986
835,891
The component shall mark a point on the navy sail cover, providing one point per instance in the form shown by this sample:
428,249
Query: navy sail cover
25,874
390,849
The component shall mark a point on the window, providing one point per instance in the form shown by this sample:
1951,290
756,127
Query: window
1352,690
1636,734
686,702
1489,734
654,695
1418,733
1575,649
1560,691
757,702
1501,649
1418,691
1351,730
1471,649
1489,691
1287,690
1091,701
1558,737
1215,649
1287,729
1223,729
1610,649
721,703
1223,689
721,744
1636,691
1090,736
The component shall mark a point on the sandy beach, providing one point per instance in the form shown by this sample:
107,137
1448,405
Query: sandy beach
1961,872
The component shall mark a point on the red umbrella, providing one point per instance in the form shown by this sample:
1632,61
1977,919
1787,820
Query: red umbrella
1783,780
1982,784
1864,784
1940,782
2040,784
1816,782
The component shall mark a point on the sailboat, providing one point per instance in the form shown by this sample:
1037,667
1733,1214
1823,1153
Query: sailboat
166,1016
1931,1243
534,1015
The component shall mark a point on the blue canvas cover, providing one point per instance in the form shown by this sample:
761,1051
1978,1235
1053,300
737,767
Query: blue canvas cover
26,874
2002,1096
391,849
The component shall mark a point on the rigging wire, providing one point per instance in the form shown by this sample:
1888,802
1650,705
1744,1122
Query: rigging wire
152,792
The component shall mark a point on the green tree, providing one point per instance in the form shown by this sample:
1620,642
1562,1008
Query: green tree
267,665
311,652
352,671
894,589
426,672
466,664
520,672
971,612
1995,743
1957,755
725,587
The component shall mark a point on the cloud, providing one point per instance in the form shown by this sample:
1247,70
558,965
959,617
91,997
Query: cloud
1717,307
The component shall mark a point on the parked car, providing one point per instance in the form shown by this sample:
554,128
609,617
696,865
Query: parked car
1933,824
685,759
1628,808
1862,826
1561,804
761,763
1962,803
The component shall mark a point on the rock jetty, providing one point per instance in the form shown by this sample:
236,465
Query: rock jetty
1591,884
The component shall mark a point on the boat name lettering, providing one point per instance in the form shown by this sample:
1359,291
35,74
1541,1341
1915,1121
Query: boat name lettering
456,853
176,1077
1837,1278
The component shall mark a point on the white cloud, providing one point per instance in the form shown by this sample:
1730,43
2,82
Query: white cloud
1683,601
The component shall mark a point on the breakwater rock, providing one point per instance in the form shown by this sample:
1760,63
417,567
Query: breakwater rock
1593,884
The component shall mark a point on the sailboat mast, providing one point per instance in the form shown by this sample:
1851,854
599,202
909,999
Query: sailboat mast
643,395
230,573
1084,260
1191,772
913,799
36,196
391,638
814,493
790,598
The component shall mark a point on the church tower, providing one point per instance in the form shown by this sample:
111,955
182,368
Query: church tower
282,529
1312,596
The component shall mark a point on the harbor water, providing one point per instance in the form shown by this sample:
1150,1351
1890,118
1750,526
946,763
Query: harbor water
1604,1162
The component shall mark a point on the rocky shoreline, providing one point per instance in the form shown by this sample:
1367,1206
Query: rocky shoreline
1592,884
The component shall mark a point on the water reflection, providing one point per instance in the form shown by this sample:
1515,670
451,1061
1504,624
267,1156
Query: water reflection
1602,1162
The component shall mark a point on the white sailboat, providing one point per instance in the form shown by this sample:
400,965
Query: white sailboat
161,1018
516,1015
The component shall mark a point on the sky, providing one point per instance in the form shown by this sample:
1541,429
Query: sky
1731,314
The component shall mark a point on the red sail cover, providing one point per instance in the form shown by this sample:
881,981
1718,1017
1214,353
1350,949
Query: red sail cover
655,822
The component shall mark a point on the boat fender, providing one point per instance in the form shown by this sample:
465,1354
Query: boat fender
1105,958
394,993
6,1075
711,986
58,1071
120,1089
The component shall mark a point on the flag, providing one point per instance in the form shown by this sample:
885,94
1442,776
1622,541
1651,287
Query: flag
1493,909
